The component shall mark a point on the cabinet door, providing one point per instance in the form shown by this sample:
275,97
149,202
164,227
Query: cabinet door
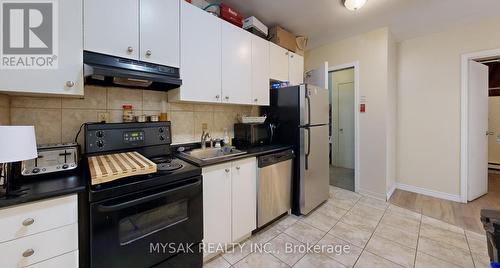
112,27
236,64
296,69
244,197
67,79
200,55
278,62
260,71
159,32
217,203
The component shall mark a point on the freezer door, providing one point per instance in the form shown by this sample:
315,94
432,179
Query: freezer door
316,105
314,180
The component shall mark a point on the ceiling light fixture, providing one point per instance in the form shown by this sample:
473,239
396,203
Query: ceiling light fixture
354,4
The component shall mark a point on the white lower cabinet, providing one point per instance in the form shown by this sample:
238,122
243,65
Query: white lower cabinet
40,234
217,203
243,197
229,201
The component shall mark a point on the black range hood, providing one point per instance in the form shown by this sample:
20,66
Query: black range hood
101,69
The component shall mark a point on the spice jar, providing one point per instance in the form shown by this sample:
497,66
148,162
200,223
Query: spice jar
128,113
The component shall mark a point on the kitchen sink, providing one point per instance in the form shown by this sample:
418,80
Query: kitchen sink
213,153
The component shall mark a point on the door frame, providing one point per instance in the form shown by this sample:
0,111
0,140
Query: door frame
464,116
340,67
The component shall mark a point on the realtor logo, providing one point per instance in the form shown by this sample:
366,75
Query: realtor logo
29,34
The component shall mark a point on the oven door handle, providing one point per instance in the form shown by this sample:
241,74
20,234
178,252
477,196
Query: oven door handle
120,206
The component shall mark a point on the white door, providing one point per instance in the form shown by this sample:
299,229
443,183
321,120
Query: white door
244,197
318,76
217,203
200,55
477,177
295,69
346,126
159,34
112,27
67,79
236,65
260,71
278,62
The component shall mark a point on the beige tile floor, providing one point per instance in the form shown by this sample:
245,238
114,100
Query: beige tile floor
378,234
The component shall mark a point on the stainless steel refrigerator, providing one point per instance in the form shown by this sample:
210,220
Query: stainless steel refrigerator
301,115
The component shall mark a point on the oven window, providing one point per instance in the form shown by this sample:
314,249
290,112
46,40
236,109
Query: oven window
147,222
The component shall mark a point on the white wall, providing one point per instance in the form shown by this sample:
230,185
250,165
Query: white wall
391,115
371,50
428,123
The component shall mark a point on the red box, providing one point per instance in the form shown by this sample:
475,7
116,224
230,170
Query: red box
231,15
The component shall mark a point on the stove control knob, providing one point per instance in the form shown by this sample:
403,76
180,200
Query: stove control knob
35,170
99,133
100,143
161,130
65,166
162,138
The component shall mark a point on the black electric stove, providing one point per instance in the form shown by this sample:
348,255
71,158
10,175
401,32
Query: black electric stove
132,219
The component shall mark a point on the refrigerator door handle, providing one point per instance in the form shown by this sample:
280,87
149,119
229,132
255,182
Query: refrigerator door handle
308,99
308,152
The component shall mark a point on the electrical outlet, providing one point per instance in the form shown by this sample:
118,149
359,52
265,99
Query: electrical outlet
204,126
103,117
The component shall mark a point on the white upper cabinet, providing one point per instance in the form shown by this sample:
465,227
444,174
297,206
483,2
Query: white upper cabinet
295,69
236,65
146,30
278,62
260,71
200,56
159,32
67,78
112,27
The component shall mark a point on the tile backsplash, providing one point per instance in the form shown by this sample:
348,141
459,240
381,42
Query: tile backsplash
58,119
4,109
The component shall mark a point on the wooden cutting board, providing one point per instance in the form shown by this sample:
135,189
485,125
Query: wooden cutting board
110,167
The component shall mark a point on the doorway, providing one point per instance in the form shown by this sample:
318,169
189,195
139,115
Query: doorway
341,85
480,125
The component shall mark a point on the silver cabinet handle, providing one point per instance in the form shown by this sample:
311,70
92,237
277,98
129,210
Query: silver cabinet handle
28,253
70,83
130,49
291,55
148,53
255,100
227,170
28,222
238,168
217,96
227,97
286,53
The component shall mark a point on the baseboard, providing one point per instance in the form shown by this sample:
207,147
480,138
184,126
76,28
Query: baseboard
437,194
391,191
371,194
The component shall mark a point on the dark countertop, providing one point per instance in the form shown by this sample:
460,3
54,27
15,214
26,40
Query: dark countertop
251,152
46,186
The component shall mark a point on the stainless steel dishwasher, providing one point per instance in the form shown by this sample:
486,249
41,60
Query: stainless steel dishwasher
274,185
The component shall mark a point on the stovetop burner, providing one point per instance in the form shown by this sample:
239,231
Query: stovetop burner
166,164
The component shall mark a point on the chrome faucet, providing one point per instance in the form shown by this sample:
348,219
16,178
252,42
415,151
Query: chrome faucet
204,137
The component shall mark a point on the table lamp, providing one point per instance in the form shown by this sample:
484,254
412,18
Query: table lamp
17,143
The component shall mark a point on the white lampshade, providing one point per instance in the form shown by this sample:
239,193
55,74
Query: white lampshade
17,143
354,4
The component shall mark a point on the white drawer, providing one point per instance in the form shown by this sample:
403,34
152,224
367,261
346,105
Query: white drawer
32,218
44,245
68,260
